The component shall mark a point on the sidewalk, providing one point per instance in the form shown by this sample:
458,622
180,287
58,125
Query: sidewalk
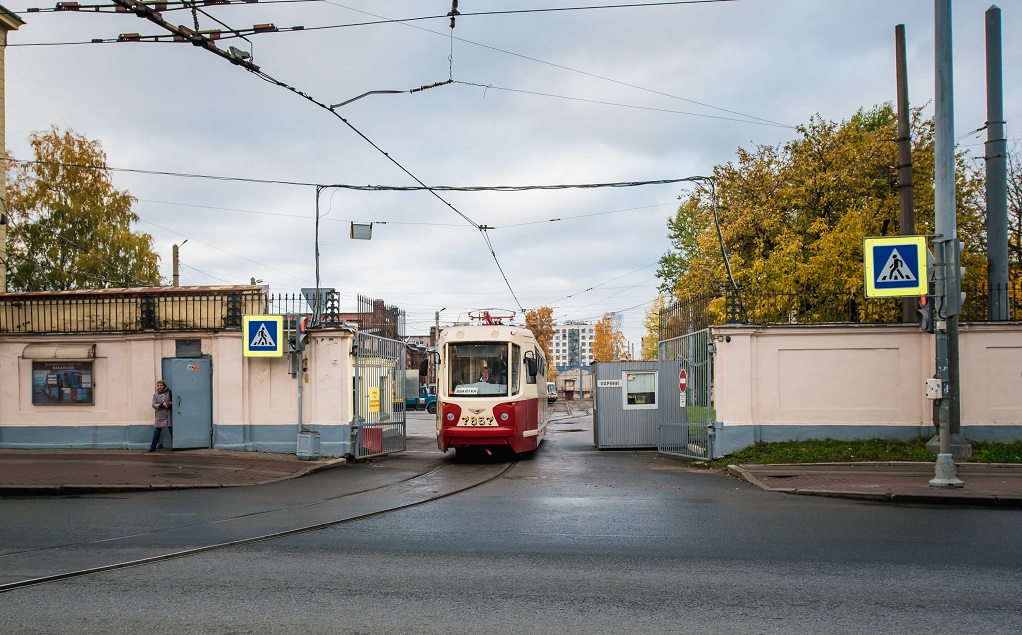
69,472
66,472
986,484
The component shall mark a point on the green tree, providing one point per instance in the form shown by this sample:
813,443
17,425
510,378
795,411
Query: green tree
541,322
793,217
683,230
71,228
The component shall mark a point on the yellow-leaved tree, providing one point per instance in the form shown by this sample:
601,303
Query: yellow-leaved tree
651,343
541,322
792,219
71,228
609,343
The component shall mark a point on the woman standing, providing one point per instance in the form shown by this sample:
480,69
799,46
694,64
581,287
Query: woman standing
162,404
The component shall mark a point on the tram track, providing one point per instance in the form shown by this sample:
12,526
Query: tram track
415,484
577,408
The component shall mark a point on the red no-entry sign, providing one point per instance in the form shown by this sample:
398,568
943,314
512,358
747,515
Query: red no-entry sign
682,380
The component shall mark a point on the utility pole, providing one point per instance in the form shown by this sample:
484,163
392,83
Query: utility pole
906,204
996,156
945,240
175,263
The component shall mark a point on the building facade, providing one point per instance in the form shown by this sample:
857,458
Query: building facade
573,345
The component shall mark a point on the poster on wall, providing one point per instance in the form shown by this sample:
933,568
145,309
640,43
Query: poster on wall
62,383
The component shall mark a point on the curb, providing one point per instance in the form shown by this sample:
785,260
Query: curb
84,488
938,497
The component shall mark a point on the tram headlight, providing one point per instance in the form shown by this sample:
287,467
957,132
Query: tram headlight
450,413
504,413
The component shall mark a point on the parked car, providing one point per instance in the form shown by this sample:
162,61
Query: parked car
551,392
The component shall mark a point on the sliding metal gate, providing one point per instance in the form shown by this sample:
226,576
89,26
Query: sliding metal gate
378,396
686,415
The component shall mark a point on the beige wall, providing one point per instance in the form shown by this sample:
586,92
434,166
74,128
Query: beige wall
247,391
860,375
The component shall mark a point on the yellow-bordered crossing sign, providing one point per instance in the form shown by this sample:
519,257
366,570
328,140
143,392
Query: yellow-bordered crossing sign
263,335
895,266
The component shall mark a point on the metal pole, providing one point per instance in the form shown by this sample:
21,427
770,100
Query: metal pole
315,309
906,203
174,267
175,262
996,156
945,224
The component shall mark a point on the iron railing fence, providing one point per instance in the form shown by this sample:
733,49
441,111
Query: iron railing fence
381,319
182,309
812,305
104,311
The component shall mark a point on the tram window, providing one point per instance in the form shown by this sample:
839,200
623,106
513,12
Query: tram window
640,390
478,369
516,366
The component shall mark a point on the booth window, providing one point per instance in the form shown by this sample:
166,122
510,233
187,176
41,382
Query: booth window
62,374
640,389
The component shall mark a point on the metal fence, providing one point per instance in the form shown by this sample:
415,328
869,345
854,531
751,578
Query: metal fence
185,309
813,305
378,396
102,311
686,424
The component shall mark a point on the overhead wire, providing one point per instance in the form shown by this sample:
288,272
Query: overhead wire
408,22
231,253
616,105
372,188
585,73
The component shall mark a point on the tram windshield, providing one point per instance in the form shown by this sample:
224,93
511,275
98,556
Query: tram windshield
477,369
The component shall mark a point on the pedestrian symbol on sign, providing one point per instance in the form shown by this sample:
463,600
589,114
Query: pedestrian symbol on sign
262,338
895,269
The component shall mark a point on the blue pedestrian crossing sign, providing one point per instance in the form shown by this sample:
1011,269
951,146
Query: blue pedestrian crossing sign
262,335
895,266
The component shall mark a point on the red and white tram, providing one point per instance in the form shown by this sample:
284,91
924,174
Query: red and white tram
491,387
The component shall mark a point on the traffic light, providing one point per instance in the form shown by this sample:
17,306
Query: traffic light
925,310
302,338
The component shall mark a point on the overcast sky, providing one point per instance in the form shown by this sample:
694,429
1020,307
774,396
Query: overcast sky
540,97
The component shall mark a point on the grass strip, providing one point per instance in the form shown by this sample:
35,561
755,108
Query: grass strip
835,451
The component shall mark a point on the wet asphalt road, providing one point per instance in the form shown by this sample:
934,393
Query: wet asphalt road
571,541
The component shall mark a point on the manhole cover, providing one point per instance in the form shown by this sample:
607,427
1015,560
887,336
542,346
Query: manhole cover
179,475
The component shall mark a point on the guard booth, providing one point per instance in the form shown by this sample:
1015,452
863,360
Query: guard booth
625,402
664,404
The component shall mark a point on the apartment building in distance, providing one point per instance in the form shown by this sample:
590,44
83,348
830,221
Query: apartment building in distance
573,344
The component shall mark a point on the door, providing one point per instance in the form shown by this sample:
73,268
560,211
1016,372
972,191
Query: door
191,384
